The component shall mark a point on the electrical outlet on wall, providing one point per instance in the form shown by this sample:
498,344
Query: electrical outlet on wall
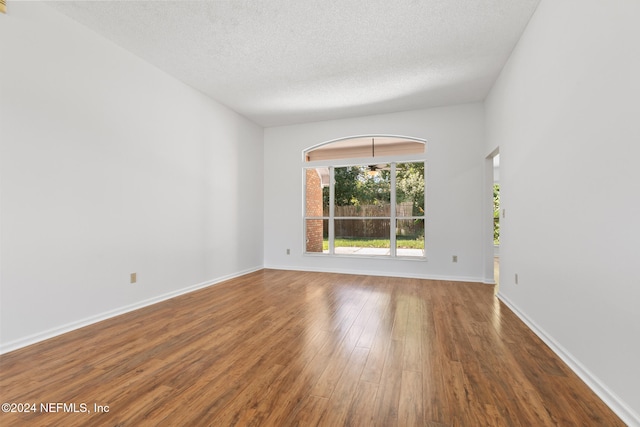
288,251
133,278
454,258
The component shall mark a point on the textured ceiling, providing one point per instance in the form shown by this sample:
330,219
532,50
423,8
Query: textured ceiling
281,62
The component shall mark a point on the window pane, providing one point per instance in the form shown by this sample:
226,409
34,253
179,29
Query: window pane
363,191
316,184
410,237
317,234
362,236
410,189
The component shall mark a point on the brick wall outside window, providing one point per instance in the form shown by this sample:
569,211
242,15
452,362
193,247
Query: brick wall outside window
314,208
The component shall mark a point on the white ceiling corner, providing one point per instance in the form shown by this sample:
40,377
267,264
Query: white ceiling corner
282,62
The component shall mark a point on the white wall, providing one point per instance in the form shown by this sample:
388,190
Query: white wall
455,144
564,114
110,166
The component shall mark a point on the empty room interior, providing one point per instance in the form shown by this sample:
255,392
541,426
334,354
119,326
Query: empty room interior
293,213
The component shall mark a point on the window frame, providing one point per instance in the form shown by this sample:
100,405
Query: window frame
393,218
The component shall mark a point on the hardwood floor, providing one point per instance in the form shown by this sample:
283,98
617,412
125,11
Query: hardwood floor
282,348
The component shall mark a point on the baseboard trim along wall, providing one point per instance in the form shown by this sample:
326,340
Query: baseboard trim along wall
616,404
50,333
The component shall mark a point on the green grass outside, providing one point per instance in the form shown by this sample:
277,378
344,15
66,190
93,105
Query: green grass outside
402,242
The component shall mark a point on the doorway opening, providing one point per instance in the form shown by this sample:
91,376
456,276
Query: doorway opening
496,219
491,213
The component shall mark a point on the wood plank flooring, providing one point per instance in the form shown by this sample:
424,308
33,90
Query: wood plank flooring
282,348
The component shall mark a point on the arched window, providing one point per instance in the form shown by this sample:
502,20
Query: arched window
365,196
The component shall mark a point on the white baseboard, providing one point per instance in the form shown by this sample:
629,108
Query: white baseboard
50,333
617,405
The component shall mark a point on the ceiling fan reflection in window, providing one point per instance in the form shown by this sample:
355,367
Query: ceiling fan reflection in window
374,170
